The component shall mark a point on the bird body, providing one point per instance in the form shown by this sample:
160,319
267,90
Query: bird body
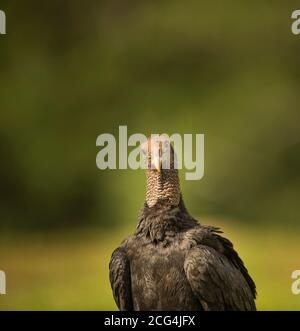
172,262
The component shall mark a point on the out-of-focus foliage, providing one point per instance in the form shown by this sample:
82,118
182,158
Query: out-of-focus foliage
71,70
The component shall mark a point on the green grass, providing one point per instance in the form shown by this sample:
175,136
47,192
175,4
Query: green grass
69,271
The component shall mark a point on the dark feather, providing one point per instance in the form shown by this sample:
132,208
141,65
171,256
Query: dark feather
119,276
178,264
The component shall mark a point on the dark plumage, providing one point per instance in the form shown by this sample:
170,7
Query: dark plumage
172,262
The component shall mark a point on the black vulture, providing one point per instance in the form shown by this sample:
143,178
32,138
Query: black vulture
172,262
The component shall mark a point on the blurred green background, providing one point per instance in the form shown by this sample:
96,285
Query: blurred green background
71,70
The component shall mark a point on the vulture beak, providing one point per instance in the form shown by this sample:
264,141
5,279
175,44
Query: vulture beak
156,157
156,162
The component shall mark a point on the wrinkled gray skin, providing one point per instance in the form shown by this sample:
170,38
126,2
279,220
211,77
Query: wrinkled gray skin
174,263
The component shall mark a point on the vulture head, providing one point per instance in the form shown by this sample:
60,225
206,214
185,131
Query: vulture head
161,171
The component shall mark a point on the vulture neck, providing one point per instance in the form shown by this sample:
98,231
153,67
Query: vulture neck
163,186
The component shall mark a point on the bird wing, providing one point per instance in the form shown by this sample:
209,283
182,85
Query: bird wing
216,281
120,279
